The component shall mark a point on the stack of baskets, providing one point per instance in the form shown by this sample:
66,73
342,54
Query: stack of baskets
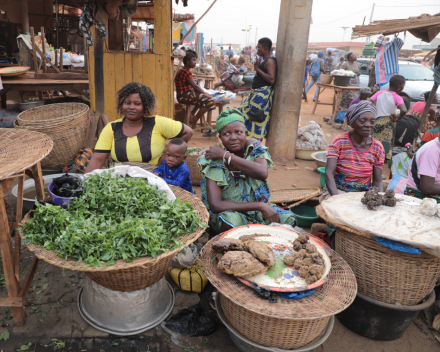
384,274
289,323
68,126
138,274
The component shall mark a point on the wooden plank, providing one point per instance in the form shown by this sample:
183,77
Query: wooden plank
39,181
109,82
62,76
99,73
91,62
164,91
61,59
149,71
119,83
28,279
137,67
128,74
81,92
11,302
18,218
34,50
56,57
43,46
5,184
92,131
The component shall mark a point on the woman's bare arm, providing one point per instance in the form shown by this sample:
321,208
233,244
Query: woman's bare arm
377,178
97,162
187,133
330,169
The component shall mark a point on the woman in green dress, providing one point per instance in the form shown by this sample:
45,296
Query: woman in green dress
234,187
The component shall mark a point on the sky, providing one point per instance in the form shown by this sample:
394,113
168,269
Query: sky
227,18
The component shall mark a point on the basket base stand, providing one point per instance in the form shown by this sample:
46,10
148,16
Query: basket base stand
125,313
11,256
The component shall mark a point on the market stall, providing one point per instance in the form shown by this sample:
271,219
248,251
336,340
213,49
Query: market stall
394,252
271,319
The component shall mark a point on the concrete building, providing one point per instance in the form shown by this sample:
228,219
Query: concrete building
355,47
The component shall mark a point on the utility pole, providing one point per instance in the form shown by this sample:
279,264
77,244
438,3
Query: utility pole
343,36
256,29
292,41
371,18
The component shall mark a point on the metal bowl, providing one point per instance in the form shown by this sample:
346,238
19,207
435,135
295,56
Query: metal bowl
125,313
306,154
320,158
245,345
30,105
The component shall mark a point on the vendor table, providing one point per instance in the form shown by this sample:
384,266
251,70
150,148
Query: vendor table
40,85
337,97
209,80
21,151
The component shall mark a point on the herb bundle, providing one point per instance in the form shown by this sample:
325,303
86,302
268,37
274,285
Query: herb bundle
115,218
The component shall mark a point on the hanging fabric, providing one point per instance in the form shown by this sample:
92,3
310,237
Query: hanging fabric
186,26
386,62
177,28
87,20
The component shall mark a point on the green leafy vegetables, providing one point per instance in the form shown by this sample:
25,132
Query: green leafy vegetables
115,218
193,150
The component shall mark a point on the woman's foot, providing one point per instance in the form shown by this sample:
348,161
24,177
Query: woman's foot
326,119
210,134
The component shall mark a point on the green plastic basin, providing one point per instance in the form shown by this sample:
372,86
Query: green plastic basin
321,170
305,215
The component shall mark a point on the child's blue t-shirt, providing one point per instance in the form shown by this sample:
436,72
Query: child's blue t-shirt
306,74
177,176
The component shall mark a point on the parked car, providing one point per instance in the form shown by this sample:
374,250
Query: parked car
419,79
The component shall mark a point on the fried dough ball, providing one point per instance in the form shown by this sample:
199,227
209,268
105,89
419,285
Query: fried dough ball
308,255
316,270
303,253
308,261
303,238
303,271
311,279
290,259
310,248
297,245
390,193
298,263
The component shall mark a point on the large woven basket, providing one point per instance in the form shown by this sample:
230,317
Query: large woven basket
67,125
138,274
288,323
326,79
196,175
384,274
387,275
269,331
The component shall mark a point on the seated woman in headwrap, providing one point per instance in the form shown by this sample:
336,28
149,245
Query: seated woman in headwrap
355,159
234,186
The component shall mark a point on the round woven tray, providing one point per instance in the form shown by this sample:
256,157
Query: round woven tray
384,274
138,274
289,323
196,175
21,149
293,194
51,114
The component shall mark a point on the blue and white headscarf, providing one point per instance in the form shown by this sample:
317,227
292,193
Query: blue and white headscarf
356,110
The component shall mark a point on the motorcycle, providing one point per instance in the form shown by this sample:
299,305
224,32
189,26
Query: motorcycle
235,82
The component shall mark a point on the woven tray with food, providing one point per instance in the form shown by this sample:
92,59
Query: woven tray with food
273,257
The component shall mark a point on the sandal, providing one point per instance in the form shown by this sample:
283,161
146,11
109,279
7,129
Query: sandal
210,134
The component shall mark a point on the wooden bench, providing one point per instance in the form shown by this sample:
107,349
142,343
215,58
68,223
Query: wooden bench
203,123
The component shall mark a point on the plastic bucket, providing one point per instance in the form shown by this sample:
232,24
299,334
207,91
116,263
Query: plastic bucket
341,81
305,215
381,321
57,200
321,170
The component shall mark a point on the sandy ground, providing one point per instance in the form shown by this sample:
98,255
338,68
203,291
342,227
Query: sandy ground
53,321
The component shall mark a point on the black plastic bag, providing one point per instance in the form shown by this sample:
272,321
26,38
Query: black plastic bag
265,294
67,186
193,321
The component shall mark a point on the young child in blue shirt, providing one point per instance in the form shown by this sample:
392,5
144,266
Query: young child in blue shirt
173,169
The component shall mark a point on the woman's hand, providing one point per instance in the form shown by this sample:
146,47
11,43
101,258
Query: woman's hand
270,213
257,64
394,117
215,152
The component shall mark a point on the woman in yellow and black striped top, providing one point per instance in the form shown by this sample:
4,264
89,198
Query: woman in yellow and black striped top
138,136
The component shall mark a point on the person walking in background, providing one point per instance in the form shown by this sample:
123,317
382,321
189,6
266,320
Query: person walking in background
306,74
256,107
315,73
341,62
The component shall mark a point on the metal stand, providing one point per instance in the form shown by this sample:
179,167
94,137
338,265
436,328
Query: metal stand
11,256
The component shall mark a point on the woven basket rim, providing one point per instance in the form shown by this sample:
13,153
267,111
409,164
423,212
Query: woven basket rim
44,143
47,255
244,296
314,191
83,108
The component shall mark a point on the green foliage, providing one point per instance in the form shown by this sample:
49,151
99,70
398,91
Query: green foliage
193,150
115,218
4,335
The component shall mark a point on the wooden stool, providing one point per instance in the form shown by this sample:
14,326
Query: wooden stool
218,105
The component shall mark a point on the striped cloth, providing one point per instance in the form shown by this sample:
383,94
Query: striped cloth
357,166
386,62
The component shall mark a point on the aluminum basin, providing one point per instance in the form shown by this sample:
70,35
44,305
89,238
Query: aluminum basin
125,313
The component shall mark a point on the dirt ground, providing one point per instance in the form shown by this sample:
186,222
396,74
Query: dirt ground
53,321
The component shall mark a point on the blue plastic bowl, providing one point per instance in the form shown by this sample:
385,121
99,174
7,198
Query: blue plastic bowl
57,200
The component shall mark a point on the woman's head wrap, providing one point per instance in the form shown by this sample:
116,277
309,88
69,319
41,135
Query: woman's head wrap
366,90
228,116
356,110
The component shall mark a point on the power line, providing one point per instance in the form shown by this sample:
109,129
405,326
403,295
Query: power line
321,24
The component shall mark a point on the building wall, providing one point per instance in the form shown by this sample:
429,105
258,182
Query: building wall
38,11
155,70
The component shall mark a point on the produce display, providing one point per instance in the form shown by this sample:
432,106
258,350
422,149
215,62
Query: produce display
429,207
311,137
114,218
372,199
342,72
306,259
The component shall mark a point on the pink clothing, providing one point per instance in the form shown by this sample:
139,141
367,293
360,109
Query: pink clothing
356,165
427,163
419,106
386,102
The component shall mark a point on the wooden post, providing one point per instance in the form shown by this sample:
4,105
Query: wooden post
43,48
56,58
427,106
34,50
85,55
293,33
61,59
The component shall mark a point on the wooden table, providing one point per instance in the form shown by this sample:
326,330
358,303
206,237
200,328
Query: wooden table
337,97
22,85
209,80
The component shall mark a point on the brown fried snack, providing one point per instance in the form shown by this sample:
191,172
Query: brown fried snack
290,259
311,279
310,248
308,261
241,264
303,252
316,270
308,255
297,245
298,263
303,271
262,252
228,244
303,238
390,193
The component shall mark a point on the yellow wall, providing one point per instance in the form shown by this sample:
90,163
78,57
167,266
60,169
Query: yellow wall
153,70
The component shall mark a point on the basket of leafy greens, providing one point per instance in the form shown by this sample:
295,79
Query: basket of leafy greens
122,232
